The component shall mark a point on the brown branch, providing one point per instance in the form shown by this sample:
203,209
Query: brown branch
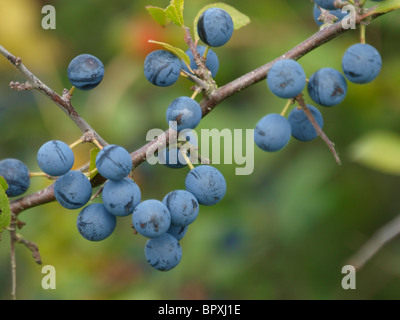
210,102
320,132
34,83
31,246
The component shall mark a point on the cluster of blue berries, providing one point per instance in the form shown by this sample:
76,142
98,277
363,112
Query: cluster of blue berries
163,222
361,64
166,222
120,194
215,28
73,189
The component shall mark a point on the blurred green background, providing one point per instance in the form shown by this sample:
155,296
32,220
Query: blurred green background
283,232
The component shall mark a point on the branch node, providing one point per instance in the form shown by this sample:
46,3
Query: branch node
15,85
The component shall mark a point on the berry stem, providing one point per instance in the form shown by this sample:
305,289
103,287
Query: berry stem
287,106
195,93
206,52
97,143
39,174
189,163
77,142
71,91
363,28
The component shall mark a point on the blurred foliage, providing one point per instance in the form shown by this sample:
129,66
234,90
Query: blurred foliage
283,232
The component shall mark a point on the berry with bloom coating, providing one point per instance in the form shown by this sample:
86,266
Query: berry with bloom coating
207,184
17,177
85,71
162,68
286,79
215,27
163,253
95,223
55,158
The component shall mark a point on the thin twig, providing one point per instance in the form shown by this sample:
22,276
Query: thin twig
320,132
31,246
12,258
381,237
35,83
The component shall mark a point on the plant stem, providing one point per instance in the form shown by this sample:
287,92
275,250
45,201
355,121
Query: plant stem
64,104
363,28
320,133
209,103
287,106
189,163
13,231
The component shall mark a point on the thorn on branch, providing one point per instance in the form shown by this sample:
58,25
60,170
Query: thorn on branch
31,246
320,133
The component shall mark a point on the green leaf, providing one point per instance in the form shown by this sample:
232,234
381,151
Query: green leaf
93,154
158,15
5,211
178,52
178,4
378,150
3,183
175,12
239,19
387,5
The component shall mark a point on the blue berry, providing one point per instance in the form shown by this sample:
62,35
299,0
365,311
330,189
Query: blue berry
326,4
336,12
327,87
85,71
186,112
361,63
183,207
16,174
73,190
151,218
114,162
302,128
215,27
121,197
212,62
272,133
95,223
172,158
162,68
163,253
55,158
177,231
286,79
207,184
